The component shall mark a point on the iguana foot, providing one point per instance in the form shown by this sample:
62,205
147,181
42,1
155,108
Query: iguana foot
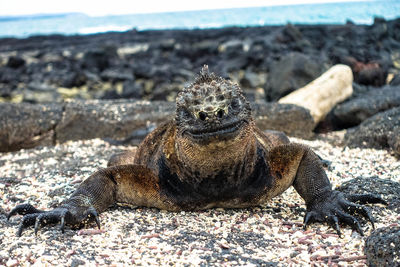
335,208
64,214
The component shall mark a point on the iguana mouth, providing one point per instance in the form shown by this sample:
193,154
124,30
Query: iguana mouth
226,130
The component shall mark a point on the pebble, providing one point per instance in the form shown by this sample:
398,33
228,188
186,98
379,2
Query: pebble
12,263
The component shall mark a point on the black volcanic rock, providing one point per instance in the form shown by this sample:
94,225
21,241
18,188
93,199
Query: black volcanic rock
169,58
155,65
358,109
99,58
379,131
27,125
382,247
74,79
292,72
379,30
15,62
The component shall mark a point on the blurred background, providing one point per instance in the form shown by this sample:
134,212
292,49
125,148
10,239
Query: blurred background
51,51
21,18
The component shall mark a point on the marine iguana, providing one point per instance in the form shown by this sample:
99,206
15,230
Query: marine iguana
210,155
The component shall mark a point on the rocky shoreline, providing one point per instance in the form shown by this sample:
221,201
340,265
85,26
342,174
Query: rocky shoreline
154,65
68,102
268,62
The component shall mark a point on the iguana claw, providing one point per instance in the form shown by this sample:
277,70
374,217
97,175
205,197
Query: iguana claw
338,208
39,218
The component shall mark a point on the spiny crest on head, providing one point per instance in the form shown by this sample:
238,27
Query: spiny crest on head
205,76
208,91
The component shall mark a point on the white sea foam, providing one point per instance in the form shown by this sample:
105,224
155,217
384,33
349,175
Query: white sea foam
106,28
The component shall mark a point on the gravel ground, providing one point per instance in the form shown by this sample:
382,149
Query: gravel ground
270,235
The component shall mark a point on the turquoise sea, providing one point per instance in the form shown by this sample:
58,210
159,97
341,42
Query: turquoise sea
76,23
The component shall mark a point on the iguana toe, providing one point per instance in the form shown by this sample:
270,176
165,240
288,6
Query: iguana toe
23,209
62,215
366,199
336,208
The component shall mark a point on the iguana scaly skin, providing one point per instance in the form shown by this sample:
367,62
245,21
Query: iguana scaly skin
210,155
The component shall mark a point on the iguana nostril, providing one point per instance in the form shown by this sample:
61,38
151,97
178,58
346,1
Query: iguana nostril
220,113
202,115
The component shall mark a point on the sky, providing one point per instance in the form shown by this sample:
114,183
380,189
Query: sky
118,7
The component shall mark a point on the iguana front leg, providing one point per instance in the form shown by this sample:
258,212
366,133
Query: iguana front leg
311,182
122,158
133,184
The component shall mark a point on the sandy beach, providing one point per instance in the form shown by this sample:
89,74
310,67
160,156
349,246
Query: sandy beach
270,235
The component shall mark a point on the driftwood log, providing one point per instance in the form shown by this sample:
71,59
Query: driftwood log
322,94
28,125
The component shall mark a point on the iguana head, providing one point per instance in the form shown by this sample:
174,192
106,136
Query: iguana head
211,109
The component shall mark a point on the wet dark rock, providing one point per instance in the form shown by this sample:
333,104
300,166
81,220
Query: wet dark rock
74,79
379,131
142,70
360,90
379,29
203,47
382,247
8,75
15,62
394,29
370,73
291,33
99,59
292,36
290,73
358,109
5,91
340,55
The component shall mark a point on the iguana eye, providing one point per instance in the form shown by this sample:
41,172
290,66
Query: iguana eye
202,115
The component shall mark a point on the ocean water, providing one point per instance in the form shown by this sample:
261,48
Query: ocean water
327,13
